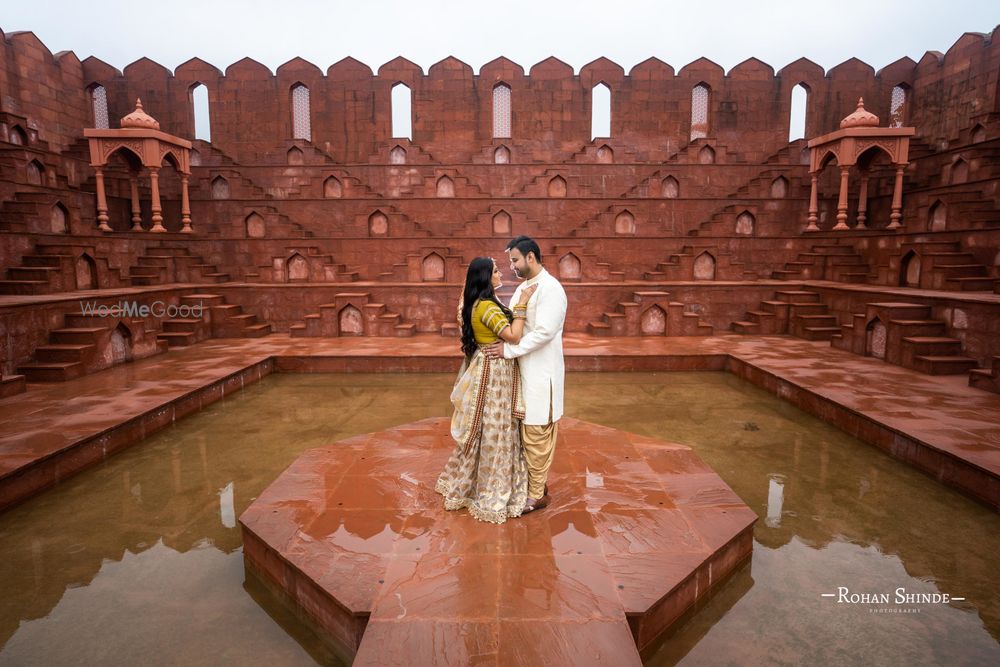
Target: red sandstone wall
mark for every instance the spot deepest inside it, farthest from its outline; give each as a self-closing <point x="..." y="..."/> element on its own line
<point x="47" y="89"/>
<point x="452" y="107"/>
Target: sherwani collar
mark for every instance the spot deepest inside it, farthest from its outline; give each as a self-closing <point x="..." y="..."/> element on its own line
<point x="532" y="281"/>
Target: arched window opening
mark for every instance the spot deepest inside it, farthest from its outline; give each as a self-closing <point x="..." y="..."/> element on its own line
<point x="799" y="108"/>
<point x="199" y="107"/>
<point x="600" y="111"/>
<point x="501" y="111"/>
<point x="897" y="105"/>
<point x="99" y="101"/>
<point x="402" y="113"/>
<point x="700" y="95"/>
<point x="301" y="119"/>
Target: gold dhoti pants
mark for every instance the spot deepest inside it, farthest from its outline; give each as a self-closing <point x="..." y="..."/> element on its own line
<point x="539" y="448"/>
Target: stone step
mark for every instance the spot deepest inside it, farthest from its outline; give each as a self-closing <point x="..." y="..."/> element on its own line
<point x="796" y="309"/>
<point x="180" y="324"/>
<point x="831" y="250"/>
<point x="798" y="296"/>
<point x="599" y="328"/>
<point x="33" y="273"/>
<point x="84" y="321"/>
<point x="931" y="246"/>
<point x="177" y="338"/>
<point x="934" y="345"/>
<point x="60" y="352"/>
<point x="76" y="335"/>
<point x="963" y="270"/>
<point x="405" y="330"/>
<point x="257" y="330"/>
<point x="944" y="365"/>
<point x="819" y="332"/>
<point x="743" y="327"/>
<point x="45" y="260"/>
<point x="905" y="311"/>
<point x="920" y="327"/>
<point x="950" y="257"/>
<point x="144" y="281"/>
<point x="980" y="284"/>
<point x="855" y="278"/>
<point x="208" y="300"/>
<point x="24" y="286"/>
<point x="175" y="251"/>
<point x="51" y="372"/>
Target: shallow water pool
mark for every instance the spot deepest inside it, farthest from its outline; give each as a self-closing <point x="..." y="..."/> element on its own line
<point x="139" y="559"/>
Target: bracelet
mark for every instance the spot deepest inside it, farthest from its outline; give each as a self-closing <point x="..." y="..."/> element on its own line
<point x="520" y="317"/>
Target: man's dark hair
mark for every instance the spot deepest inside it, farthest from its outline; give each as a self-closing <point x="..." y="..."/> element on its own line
<point x="524" y="245"/>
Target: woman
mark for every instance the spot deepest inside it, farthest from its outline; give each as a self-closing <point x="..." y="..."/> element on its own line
<point x="487" y="472"/>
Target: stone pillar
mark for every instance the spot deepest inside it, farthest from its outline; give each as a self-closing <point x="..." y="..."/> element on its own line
<point x="185" y="206"/>
<point x="102" y="202"/>
<point x="154" y="185"/>
<point x="897" y="199"/>
<point x="842" y="201"/>
<point x="813" y="205"/>
<point x="133" y="181"/>
<point x="863" y="201"/>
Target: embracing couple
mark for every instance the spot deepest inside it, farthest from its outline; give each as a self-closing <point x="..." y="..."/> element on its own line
<point x="509" y="394"/>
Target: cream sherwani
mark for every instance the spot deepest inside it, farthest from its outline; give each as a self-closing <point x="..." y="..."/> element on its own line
<point x="540" y="352"/>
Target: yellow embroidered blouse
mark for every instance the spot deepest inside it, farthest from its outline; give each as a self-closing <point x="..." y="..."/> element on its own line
<point x="487" y="322"/>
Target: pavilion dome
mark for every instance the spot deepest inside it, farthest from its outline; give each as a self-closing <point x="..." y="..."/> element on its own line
<point x="860" y="117"/>
<point x="140" y="119"/>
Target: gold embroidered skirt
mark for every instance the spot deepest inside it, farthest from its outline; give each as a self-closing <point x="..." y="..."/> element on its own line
<point x="487" y="472"/>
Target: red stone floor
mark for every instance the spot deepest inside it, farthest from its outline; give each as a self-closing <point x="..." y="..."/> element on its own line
<point x="936" y="423"/>
<point x="638" y="531"/>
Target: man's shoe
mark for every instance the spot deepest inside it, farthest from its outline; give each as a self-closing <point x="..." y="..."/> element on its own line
<point x="533" y="504"/>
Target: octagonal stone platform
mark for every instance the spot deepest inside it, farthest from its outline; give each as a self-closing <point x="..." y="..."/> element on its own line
<point x="355" y="537"/>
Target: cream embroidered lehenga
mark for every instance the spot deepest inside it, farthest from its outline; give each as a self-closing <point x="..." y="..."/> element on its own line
<point x="487" y="471"/>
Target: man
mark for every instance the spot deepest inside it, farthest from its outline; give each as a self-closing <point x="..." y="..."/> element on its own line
<point x="541" y="360"/>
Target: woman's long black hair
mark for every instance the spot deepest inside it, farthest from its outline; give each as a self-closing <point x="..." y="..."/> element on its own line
<point x="478" y="286"/>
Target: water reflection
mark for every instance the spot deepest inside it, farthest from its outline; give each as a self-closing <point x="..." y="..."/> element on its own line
<point x="140" y="559"/>
<point x="775" y="500"/>
<point x="227" y="511"/>
<point x="835" y="512"/>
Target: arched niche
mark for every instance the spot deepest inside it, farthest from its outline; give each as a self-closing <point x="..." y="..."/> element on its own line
<point x="350" y="321"/>
<point x="875" y="339"/>
<point x="557" y="187"/>
<point x="378" y="224"/>
<point x="254" y="224"/>
<point x="332" y="188"/>
<point x="569" y="267"/>
<point x="909" y="270"/>
<point x="297" y="268"/>
<point x="653" y="322"/>
<point x="432" y="268"/>
<point x="704" y="266"/>
<point x="86" y="272"/>
<point x="670" y="188"/>
<point x="625" y="223"/>
<point x="502" y="223"/>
